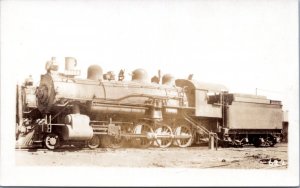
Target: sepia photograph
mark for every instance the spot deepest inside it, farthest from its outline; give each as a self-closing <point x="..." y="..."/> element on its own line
<point x="149" y="93"/>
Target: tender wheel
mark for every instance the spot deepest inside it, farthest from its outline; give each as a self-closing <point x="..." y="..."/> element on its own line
<point x="142" y="129"/>
<point x="52" y="141"/>
<point x="184" y="136"/>
<point x="94" y="142"/>
<point x="257" y="142"/>
<point x="164" y="136"/>
<point x="271" y="141"/>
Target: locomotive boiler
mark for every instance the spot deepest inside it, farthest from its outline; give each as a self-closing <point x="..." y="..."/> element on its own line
<point x="82" y="109"/>
<point x="112" y="112"/>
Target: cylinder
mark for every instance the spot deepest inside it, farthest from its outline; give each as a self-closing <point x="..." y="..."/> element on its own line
<point x="77" y="127"/>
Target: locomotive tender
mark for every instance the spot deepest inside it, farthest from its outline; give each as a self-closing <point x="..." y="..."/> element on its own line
<point x="100" y="110"/>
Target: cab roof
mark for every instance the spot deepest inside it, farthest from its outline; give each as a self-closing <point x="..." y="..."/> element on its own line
<point x="200" y="85"/>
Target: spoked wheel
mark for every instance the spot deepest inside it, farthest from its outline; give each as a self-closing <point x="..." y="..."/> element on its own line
<point x="111" y="141"/>
<point x="142" y="129"/>
<point x="52" y="141"/>
<point x="94" y="142"/>
<point x="257" y="142"/>
<point x="271" y="141"/>
<point x="183" y="136"/>
<point x="164" y="136"/>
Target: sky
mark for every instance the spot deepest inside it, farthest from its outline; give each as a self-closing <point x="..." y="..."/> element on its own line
<point x="242" y="44"/>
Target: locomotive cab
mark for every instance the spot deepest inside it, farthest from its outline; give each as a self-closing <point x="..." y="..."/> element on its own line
<point x="204" y="114"/>
<point x="198" y="96"/>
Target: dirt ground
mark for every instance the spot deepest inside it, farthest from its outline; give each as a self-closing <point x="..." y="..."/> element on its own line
<point x="192" y="157"/>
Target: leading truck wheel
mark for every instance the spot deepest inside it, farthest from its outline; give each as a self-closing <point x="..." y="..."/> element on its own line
<point x="94" y="142"/>
<point x="52" y="141"/>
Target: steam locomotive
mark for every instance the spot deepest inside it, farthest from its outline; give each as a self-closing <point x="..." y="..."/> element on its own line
<point x="102" y="111"/>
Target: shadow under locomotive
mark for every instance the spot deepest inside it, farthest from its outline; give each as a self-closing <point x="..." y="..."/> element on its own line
<point x="101" y="111"/>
